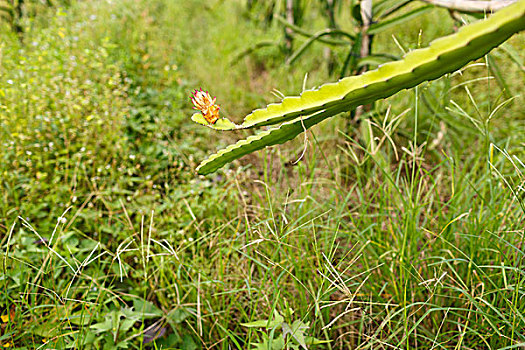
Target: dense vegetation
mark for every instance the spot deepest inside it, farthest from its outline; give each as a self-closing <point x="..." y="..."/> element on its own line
<point x="403" y="232"/>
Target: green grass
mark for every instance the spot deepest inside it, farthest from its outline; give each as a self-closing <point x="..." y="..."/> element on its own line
<point x="107" y="235"/>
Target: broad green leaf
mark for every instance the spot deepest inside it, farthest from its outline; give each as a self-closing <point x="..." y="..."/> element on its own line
<point x="146" y="309"/>
<point x="296" y="331"/>
<point x="178" y="315"/>
<point x="105" y="326"/>
<point x="80" y="318"/>
<point x="267" y="343"/>
<point x="277" y="321"/>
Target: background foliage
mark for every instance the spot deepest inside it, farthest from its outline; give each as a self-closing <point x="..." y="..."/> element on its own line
<point x="400" y="233"/>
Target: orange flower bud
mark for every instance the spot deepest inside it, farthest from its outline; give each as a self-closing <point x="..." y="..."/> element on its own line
<point x="206" y="104"/>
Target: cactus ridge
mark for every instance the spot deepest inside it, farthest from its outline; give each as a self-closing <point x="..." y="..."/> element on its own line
<point x="442" y="56"/>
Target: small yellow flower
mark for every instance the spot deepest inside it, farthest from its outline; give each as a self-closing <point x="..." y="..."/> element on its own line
<point x="206" y="104"/>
